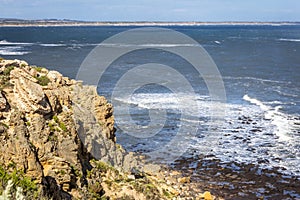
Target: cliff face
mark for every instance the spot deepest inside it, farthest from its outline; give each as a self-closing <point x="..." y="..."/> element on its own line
<point x="61" y="135"/>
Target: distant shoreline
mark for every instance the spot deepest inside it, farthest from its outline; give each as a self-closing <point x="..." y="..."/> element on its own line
<point x="54" y="23"/>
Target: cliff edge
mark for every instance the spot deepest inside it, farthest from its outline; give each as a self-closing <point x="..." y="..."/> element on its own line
<point x="57" y="141"/>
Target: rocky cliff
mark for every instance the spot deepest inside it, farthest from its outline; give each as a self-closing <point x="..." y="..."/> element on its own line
<point x="57" y="140"/>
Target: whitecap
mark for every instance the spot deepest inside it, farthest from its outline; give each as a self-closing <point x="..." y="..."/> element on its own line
<point x="52" y="45"/>
<point x="254" y="79"/>
<point x="289" y="40"/>
<point x="13" y="53"/>
<point x="285" y="94"/>
<point x="149" y="45"/>
<point x="4" y="42"/>
<point x="171" y="101"/>
<point x="283" y="123"/>
<point x="256" y="102"/>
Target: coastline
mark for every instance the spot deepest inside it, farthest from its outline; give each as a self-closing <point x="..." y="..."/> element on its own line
<point x="46" y="23"/>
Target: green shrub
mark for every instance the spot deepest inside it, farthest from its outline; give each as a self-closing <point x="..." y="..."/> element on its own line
<point x="7" y="70"/>
<point x="55" y="118"/>
<point x="63" y="126"/>
<point x="19" y="179"/>
<point x="38" y="69"/>
<point x="51" y="126"/>
<point x="43" y="80"/>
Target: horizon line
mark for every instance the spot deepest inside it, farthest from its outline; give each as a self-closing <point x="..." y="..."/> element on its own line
<point x="147" y="21"/>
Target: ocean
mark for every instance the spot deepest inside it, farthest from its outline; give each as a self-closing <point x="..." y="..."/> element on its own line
<point x="259" y="65"/>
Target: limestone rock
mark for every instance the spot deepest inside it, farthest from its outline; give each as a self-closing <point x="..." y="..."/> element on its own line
<point x="19" y="150"/>
<point x="55" y="77"/>
<point x="17" y="73"/>
<point x="104" y="114"/>
<point x="60" y="169"/>
<point x="3" y="102"/>
<point x="30" y="97"/>
<point x="53" y="133"/>
<point x="16" y="63"/>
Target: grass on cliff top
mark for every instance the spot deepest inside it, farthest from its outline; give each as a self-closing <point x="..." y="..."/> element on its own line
<point x="7" y="70"/>
<point x="43" y="80"/>
<point x="38" y="69"/>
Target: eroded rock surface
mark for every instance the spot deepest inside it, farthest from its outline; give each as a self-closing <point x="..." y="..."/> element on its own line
<point x="61" y="135"/>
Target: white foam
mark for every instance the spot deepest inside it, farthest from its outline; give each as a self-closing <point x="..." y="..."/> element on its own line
<point x="217" y="42"/>
<point x="270" y="135"/>
<point x="254" y="79"/>
<point x="12" y="51"/>
<point x="257" y="102"/>
<point x="285" y="94"/>
<point x="289" y="40"/>
<point x="149" y="45"/>
<point x="280" y="120"/>
<point x="162" y="101"/>
<point x="4" y="42"/>
<point x="52" y="45"/>
<point x="275" y="140"/>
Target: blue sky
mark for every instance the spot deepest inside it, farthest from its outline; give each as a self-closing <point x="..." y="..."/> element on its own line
<point x="153" y="10"/>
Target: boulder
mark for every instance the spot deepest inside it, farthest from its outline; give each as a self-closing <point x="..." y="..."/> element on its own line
<point x="30" y="97"/>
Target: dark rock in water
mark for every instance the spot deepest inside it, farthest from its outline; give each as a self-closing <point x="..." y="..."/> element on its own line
<point x="240" y="181"/>
<point x="256" y="130"/>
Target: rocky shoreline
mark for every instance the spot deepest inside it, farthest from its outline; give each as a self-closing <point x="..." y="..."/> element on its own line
<point x="233" y="180"/>
<point x="57" y="142"/>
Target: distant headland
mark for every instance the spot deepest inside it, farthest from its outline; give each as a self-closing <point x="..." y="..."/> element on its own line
<point x="66" y="22"/>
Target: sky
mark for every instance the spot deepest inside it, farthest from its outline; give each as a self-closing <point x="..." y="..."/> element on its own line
<point x="153" y="10"/>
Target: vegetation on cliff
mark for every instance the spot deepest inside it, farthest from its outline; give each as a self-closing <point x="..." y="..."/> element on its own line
<point x="57" y="141"/>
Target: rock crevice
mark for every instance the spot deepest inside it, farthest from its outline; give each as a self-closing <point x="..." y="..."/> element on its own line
<point x="61" y="134"/>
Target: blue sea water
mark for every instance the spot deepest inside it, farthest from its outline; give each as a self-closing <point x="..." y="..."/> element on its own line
<point x="260" y="67"/>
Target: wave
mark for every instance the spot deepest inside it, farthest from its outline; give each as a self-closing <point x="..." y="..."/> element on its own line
<point x="289" y="40"/>
<point x="4" y="42"/>
<point x="148" y="45"/>
<point x="13" y="51"/>
<point x="285" y="93"/>
<point x="71" y="45"/>
<point x="52" y="45"/>
<point x="251" y="133"/>
<point x="276" y="102"/>
<point x="283" y="123"/>
<point x="171" y="101"/>
<point x="8" y="43"/>
<point x="254" y="79"/>
<point x="257" y="132"/>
